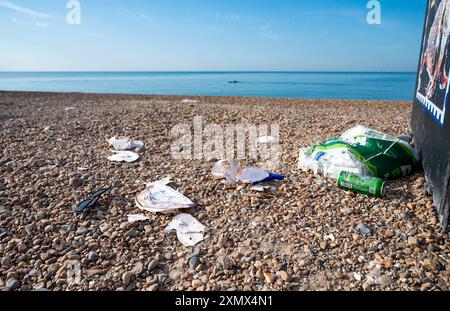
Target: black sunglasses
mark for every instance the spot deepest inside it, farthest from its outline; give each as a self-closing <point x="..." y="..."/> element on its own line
<point x="91" y="200"/>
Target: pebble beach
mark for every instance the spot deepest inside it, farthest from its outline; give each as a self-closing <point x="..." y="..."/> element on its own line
<point x="301" y="234"/>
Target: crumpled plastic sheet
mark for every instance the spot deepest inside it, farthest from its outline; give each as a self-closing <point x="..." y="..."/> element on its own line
<point x="123" y="156"/>
<point x="232" y="172"/>
<point x="189" y="230"/>
<point x="125" y="143"/>
<point x="158" y="197"/>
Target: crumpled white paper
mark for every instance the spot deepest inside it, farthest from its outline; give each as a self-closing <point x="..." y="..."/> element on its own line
<point x="125" y="143"/>
<point x="267" y="140"/>
<point x="137" y="217"/>
<point x="123" y="156"/>
<point x="189" y="230"/>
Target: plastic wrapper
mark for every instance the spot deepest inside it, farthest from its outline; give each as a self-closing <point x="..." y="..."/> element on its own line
<point x="158" y="197"/>
<point x="125" y="143"/>
<point x="360" y="150"/>
<point x="189" y="230"/>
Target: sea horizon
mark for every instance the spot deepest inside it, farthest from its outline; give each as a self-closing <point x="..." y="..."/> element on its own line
<point x="363" y="85"/>
<point x="201" y="71"/>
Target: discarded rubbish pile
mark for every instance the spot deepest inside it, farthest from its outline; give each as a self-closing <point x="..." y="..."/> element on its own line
<point x="363" y="151"/>
<point x="232" y="173"/>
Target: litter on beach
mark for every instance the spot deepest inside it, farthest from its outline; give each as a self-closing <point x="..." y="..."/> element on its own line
<point x="158" y="197"/>
<point x="123" y="156"/>
<point x="259" y="188"/>
<point x="226" y="169"/>
<point x="267" y="140"/>
<point x="363" y="151"/>
<point x="125" y="143"/>
<point x="189" y="230"/>
<point x="253" y="175"/>
<point x="189" y="101"/>
<point x="90" y="201"/>
<point x="137" y="217"/>
<point x="367" y="185"/>
<point x="70" y="108"/>
<point x="329" y="237"/>
<point x="164" y="181"/>
<point x="49" y="167"/>
<point x="232" y="172"/>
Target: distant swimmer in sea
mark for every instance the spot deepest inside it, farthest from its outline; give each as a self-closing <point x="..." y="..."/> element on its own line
<point x="234" y="81"/>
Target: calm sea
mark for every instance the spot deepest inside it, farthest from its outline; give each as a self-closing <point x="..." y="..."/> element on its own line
<point x="342" y="85"/>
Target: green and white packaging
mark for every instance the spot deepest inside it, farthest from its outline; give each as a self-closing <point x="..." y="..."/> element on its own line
<point x="360" y="150"/>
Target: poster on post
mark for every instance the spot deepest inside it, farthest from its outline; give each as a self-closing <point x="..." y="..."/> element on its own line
<point x="430" y="118"/>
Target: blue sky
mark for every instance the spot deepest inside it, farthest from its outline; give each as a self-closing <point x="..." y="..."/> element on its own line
<point x="212" y="35"/>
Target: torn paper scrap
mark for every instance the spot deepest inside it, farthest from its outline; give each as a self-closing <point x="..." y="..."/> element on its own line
<point x="189" y="230"/>
<point x="137" y="217"/>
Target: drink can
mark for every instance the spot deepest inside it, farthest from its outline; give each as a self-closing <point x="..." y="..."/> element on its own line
<point x="368" y="185"/>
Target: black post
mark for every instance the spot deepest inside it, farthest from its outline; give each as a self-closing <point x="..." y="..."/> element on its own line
<point x="430" y="122"/>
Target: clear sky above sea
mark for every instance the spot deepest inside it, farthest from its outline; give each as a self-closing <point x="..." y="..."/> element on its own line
<point x="210" y="35"/>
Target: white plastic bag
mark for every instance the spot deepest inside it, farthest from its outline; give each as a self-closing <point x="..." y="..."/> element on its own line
<point x="331" y="163"/>
<point x="125" y="143"/>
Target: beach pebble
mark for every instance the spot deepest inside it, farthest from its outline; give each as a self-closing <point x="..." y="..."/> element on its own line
<point x="138" y="268"/>
<point x="153" y="288"/>
<point x="284" y="276"/>
<point x="75" y="182"/>
<point x="66" y="228"/>
<point x="33" y="273"/>
<point x="152" y="265"/>
<point x="92" y="256"/>
<point x="412" y="241"/>
<point x="13" y="283"/>
<point x="385" y="280"/>
<point x="126" y="278"/>
<point x="363" y="229"/>
<point x="194" y="262"/>
<point x="269" y="277"/>
<point x="197" y="283"/>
